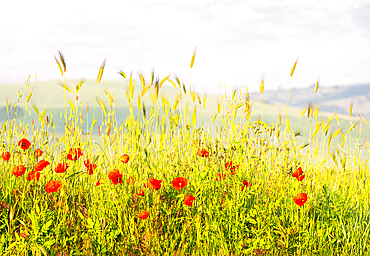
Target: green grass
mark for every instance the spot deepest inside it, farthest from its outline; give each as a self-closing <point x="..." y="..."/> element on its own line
<point x="162" y="142"/>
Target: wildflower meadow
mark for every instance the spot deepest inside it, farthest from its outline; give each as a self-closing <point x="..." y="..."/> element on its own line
<point x="166" y="182"/>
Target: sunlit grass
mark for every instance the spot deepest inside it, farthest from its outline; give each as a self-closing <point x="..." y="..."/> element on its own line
<point x="165" y="182"/>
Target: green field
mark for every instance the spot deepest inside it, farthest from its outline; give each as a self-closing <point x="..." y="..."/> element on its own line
<point x="153" y="168"/>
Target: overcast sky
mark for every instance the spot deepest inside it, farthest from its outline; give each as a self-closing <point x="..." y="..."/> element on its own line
<point x="237" y="41"/>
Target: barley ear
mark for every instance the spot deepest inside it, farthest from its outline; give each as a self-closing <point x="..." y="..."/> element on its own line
<point x="293" y="68"/>
<point x="78" y="87"/>
<point x="61" y="56"/>
<point x="101" y="71"/>
<point x="193" y="58"/>
<point x="60" y="68"/>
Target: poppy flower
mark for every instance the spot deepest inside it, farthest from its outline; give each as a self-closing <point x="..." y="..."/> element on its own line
<point x="130" y="180"/>
<point x="298" y="174"/>
<point x="33" y="175"/>
<point x="74" y="154"/>
<point x="124" y="158"/>
<point x="179" y="182"/>
<point x="5" y="156"/>
<point x="61" y="167"/>
<point x="41" y="165"/>
<point x="188" y="200"/>
<point x="300" y="199"/>
<point x="202" y="152"/>
<point x="154" y="184"/>
<point x="24" y="144"/>
<point x="90" y="167"/>
<point x="53" y="186"/>
<point x="98" y="183"/>
<point x="143" y="215"/>
<point x="300" y="178"/>
<point x="229" y="164"/>
<point x="220" y="176"/>
<point x="115" y="176"/>
<point x="38" y="152"/>
<point x="141" y="193"/>
<point x="246" y="184"/>
<point x="19" y="170"/>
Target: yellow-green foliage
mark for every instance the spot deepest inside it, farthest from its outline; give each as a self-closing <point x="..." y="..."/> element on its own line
<point x="239" y="170"/>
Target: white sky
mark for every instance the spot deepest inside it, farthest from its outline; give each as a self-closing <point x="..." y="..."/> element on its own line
<point x="237" y="41"/>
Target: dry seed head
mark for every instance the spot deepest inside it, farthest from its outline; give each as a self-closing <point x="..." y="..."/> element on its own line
<point x="61" y="56"/>
<point x="233" y="95"/>
<point x="293" y="68"/>
<point x="172" y="82"/>
<point x="156" y="88"/>
<point x="193" y="58"/>
<point x="192" y="96"/>
<point x="316" y="112"/>
<point x="87" y="107"/>
<point x="79" y="85"/>
<point x="142" y="81"/>
<point x="317" y="86"/>
<point x="199" y="99"/>
<point x="60" y="68"/>
<point x="303" y="111"/>
<point x="163" y="80"/>
<point x="122" y="74"/>
<point x="144" y="109"/>
<point x="350" y="109"/>
<point x="101" y="71"/>
<point x="152" y="78"/>
<point x="262" y="86"/>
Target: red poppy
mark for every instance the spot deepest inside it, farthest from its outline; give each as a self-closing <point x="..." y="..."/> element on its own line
<point x="202" y="152"/>
<point x="98" y="183"/>
<point x="41" y="165"/>
<point x="154" y="184"/>
<point x="90" y="167"/>
<point x="115" y="176"/>
<point x="130" y="180"/>
<point x="61" y="167"/>
<point x="19" y="170"/>
<point x="229" y="164"/>
<point x="300" y="199"/>
<point x="246" y="184"/>
<point x="189" y="200"/>
<point x="143" y="215"/>
<point x="33" y="175"/>
<point x="141" y="193"/>
<point x="124" y="158"/>
<point x="5" y="156"/>
<point x="53" y="186"/>
<point x="38" y="152"/>
<point x="300" y="178"/>
<point x="220" y="176"/>
<point x="24" y="144"/>
<point x="298" y="174"/>
<point x="179" y="182"/>
<point x="74" y="154"/>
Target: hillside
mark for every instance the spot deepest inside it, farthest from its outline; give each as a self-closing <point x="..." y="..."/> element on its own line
<point x="330" y="99"/>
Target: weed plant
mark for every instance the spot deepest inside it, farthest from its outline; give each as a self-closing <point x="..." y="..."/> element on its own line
<point x="161" y="184"/>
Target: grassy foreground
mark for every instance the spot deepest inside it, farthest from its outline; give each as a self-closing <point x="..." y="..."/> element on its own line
<point x="161" y="184"/>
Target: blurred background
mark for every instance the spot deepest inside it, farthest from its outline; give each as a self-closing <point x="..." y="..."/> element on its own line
<point x="237" y="41"/>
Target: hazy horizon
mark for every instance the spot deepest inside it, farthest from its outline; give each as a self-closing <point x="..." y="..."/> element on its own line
<point x="237" y="42"/>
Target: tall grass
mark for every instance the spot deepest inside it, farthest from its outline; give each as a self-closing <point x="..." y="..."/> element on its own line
<point x="241" y="180"/>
